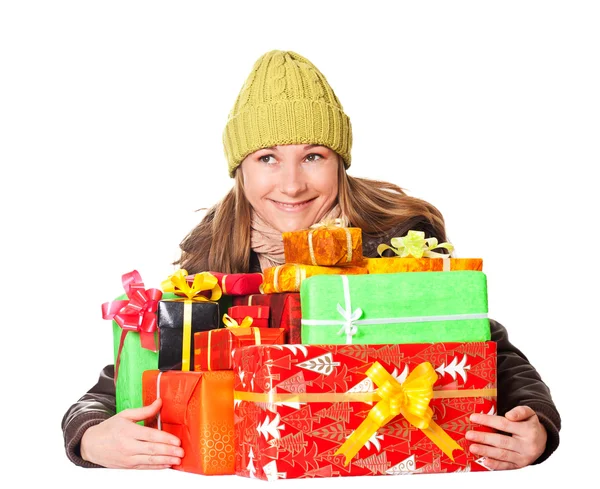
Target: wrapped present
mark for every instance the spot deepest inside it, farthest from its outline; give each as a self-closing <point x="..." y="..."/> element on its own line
<point x="259" y="314"/>
<point x="289" y="276"/>
<point x="236" y="283"/>
<point x="180" y="318"/>
<point x="197" y="407"/>
<point x="418" y="307"/>
<point x="213" y="349"/>
<point x="305" y="411"/>
<point x="327" y="243"/>
<point x="284" y="311"/>
<point x="134" y="322"/>
<point x="411" y="264"/>
<point x="416" y="245"/>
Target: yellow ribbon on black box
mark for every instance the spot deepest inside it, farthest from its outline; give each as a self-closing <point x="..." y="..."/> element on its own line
<point x="177" y="283"/>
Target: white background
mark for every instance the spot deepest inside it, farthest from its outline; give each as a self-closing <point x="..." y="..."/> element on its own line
<point x="111" y="116"/>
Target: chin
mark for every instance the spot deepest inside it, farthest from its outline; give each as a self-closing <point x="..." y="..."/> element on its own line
<point x="292" y="226"/>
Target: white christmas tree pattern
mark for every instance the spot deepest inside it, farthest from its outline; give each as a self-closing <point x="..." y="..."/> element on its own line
<point x="295" y="348"/>
<point x="481" y="461"/>
<point x="376" y="463"/>
<point x="270" y="470"/>
<point x="453" y="368"/>
<point x="271" y="428"/>
<point x="400" y="377"/>
<point x="375" y="441"/>
<point x="406" y="467"/>
<point x="250" y="467"/>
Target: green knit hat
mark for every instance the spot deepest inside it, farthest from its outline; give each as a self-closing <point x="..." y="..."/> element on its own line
<point x="285" y="100"/>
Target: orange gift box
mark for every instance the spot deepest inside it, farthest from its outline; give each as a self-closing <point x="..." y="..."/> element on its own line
<point x="213" y="349"/>
<point x="324" y="246"/>
<point x="197" y="407"/>
<point x="410" y="264"/>
<point x="289" y="276"/>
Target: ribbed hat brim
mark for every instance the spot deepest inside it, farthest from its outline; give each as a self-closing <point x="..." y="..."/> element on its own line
<point x="287" y="122"/>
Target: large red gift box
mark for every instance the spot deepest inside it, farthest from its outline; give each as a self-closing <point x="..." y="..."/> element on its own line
<point x="296" y="405"/>
<point x="284" y="311"/>
<point x="197" y="407"/>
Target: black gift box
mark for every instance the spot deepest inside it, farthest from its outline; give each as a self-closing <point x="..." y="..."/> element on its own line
<point x="205" y="316"/>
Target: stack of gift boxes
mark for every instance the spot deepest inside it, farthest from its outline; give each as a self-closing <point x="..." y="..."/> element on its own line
<point x="331" y="364"/>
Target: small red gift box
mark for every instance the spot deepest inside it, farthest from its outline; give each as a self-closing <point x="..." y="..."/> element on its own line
<point x="259" y="314"/>
<point x="212" y="349"/>
<point x="236" y="283"/>
<point x="304" y="411"/>
<point x="284" y="311"/>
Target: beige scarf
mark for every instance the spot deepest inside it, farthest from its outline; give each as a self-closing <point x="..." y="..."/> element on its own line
<point x="267" y="242"/>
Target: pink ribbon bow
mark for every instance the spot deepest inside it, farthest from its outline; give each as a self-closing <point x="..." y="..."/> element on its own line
<point x="137" y="313"/>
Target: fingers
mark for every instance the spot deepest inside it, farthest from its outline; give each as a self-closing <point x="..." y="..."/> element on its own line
<point x="153" y="461"/>
<point x="499" y="423"/>
<point x="493" y="439"/>
<point x="506" y="459"/>
<point x="152" y="435"/>
<point x="520" y="413"/>
<point x="140" y="454"/>
<point x="143" y="413"/>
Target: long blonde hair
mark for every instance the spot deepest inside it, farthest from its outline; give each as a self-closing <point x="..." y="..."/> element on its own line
<point x="221" y="242"/>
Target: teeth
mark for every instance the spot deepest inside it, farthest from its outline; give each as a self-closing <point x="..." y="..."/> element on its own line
<point x="292" y="205"/>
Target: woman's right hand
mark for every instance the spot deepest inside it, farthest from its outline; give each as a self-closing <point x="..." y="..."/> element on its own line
<point x="120" y="443"/>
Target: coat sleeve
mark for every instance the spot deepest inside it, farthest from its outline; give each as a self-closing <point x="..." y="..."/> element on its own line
<point x="519" y="384"/>
<point x="92" y="408"/>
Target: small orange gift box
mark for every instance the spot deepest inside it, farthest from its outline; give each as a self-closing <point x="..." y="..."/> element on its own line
<point x="411" y="264"/>
<point x="414" y="253"/>
<point x="197" y="407"/>
<point x="289" y="276"/>
<point x="328" y="243"/>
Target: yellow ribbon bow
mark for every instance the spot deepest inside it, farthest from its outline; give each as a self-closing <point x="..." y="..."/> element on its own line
<point x="414" y="244"/>
<point x="232" y="323"/>
<point x="330" y="222"/>
<point x="178" y="284"/>
<point x="410" y="399"/>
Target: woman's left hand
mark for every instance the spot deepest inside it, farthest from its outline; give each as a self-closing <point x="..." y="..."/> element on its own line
<point x="501" y="452"/>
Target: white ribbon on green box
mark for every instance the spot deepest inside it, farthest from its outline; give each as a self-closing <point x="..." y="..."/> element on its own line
<point x="462" y="316"/>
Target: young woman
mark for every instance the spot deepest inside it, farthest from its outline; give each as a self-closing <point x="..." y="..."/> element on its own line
<point x="287" y="143"/>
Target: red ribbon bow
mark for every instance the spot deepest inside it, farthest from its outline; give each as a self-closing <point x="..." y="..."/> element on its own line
<point x="137" y="314"/>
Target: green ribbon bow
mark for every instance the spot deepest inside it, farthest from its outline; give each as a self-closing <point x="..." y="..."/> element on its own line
<point x="415" y="244"/>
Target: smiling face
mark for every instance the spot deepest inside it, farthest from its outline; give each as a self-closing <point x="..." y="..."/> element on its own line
<point x="291" y="186"/>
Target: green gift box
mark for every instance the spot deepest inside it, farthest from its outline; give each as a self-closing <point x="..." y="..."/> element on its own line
<point x="132" y="362"/>
<point x="415" y="307"/>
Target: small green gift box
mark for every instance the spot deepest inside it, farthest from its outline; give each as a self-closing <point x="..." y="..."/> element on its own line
<point x="416" y="307"/>
<point x="131" y="359"/>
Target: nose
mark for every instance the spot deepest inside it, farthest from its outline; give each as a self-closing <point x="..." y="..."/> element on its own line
<point x="292" y="179"/>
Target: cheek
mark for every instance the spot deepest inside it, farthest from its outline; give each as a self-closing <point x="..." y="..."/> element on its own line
<point x="254" y="187"/>
<point x="327" y="183"/>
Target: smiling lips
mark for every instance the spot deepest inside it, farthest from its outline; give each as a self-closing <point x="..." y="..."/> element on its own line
<point x="292" y="206"/>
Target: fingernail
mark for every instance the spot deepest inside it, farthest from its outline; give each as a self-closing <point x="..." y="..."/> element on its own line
<point x="474" y="418"/>
<point x="474" y="448"/>
<point x="470" y="435"/>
